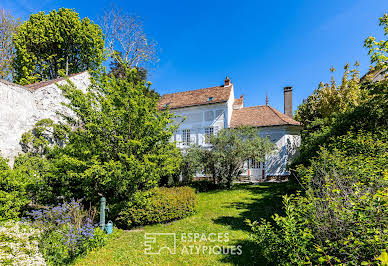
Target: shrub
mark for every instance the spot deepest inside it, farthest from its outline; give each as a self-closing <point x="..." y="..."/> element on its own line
<point x="21" y="185"/>
<point x="203" y="185"/>
<point x="13" y="196"/>
<point x="158" y="205"/>
<point x="343" y="217"/>
<point x="67" y="232"/>
<point x="19" y="244"/>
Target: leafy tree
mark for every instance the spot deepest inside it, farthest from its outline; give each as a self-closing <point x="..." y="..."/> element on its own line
<point x="341" y="216"/>
<point x="8" y="28"/>
<point x="320" y="110"/>
<point x="118" y="67"/>
<point x="231" y="148"/>
<point x="117" y="141"/>
<point x="49" y="45"/>
<point x="378" y="50"/>
<point x="331" y="98"/>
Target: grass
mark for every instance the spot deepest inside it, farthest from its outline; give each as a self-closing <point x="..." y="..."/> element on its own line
<point x="220" y="212"/>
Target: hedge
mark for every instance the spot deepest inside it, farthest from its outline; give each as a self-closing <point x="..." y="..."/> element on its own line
<point x="158" y="205"/>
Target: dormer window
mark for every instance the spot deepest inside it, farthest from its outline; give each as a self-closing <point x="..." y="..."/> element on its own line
<point x="166" y="105"/>
<point x="209" y="99"/>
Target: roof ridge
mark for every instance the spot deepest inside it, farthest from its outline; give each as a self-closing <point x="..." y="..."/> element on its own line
<point x="220" y="86"/>
<point x="253" y="106"/>
<point x="273" y="110"/>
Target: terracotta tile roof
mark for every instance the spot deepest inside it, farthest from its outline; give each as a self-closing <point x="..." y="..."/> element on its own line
<point x="41" y="84"/>
<point x="260" y="116"/>
<point x="211" y="95"/>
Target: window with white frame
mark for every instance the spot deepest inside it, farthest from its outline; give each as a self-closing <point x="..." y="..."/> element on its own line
<point x="186" y="137"/>
<point x="209" y="131"/>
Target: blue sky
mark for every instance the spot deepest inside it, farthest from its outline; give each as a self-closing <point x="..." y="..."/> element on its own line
<point x="261" y="45"/>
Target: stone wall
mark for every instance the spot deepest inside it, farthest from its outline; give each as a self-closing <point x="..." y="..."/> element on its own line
<point x="21" y="108"/>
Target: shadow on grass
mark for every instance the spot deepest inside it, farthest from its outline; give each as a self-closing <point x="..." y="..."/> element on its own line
<point x="265" y="201"/>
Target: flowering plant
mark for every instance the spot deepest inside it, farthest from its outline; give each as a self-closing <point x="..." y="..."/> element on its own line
<point x="68" y="231"/>
<point x="19" y="244"/>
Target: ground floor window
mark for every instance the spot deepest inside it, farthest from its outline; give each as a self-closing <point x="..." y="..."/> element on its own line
<point x="186" y="137"/>
<point x="253" y="164"/>
<point x="208" y="132"/>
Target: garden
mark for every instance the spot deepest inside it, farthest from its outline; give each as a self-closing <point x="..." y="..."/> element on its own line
<point x="115" y="143"/>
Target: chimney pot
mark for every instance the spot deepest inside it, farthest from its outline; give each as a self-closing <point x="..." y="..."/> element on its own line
<point x="288" y="101"/>
<point x="227" y="81"/>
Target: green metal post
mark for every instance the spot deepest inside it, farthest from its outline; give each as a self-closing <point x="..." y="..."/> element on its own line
<point x="102" y="213"/>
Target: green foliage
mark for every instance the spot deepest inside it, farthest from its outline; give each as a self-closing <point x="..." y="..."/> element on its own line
<point x="158" y="205"/>
<point x="230" y="150"/>
<point x="378" y="50"/>
<point x="116" y="143"/>
<point x="67" y="232"/>
<point x="368" y="113"/>
<point x="48" y="44"/>
<point x="25" y="184"/>
<point x="343" y="217"/>
<point x="203" y="185"/>
<point x="56" y="251"/>
<point x="18" y="187"/>
<point x="329" y="99"/>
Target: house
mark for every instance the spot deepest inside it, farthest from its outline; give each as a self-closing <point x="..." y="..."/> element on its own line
<point x="208" y="110"/>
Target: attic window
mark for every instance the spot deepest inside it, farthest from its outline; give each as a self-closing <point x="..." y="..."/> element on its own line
<point x="166" y="105"/>
<point x="209" y="99"/>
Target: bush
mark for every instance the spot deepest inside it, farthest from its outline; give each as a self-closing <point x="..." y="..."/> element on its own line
<point x="343" y="216"/>
<point x="19" y="244"/>
<point x="158" y="205"/>
<point x="13" y="197"/>
<point x="67" y="232"/>
<point x="203" y="185"/>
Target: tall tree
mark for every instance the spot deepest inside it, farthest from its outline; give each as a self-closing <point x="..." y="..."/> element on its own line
<point x="124" y="33"/>
<point x="8" y="28"/>
<point x="378" y="50"/>
<point x="49" y="45"/>
<point x="116" y="142"/>
<point x="118" y="68"/>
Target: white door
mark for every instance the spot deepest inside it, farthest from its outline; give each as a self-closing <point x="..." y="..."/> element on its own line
<point x="256" y="170"/>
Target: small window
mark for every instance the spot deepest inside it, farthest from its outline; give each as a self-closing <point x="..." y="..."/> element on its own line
<point x="186" y="137"/>
<point x="210" y="99"/>
<point x="209" y="131"/>
<point x="166" y="105"/>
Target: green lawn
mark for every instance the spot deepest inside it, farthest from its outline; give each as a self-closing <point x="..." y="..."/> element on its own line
<point x="219" y="212"/>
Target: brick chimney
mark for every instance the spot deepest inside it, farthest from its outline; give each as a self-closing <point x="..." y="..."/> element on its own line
<point x="227" y="81"/>
<point x="288" y="101"/>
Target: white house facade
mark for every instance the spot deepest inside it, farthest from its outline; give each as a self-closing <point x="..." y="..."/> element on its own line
<point x="206" y="111"/>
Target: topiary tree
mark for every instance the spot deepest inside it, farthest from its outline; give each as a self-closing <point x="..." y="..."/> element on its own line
<point x="59" y="42"/>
